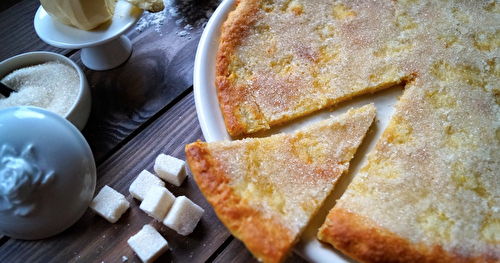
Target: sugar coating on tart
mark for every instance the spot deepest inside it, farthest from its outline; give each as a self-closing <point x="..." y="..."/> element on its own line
<point x="278" y="60"/>
<point x="429" y="190"/>
<point x="266" y="190"/>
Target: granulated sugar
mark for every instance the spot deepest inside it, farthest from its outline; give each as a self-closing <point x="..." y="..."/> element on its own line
<point x="188" y="14"/>
<point x="52" y="85"/>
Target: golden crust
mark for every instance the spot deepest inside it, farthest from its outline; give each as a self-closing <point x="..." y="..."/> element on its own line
<point x="234" y="29"/>
<point x="273" y="65"/>
<point x="268" y="239"/>
<point x="362" y="239"/>
<point x="266" y="190"/>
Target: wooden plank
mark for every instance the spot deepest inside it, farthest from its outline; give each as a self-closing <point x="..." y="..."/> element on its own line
<point x="17" y="31"/>
<point x="237" y="252"/>
<point x="93" y="239"/>
<point x="158" y="71"/>
<point x="6" y="4"/>
<point x="124" y="98"/>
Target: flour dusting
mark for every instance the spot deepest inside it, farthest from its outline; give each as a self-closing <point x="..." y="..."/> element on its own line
<point x="189" y="15"/>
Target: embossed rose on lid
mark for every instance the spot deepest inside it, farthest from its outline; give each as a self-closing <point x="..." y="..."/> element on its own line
<point x="47" y="173"/>
<point x="20" y="179"/>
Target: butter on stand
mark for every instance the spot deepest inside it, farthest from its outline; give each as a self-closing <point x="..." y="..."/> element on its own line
<point x="89" y="14"/>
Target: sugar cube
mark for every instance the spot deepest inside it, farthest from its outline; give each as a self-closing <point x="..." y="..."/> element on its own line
<point x="109" y="204"/>
<point x="148" y="244"/>
<point x="157" y="202"/>
<point x="183" y="216"/>
<point x="170" y="169"/>
<point x="141" y="185"/>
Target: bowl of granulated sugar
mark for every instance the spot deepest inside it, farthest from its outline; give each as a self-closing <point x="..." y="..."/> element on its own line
<point x="50" y="81"/>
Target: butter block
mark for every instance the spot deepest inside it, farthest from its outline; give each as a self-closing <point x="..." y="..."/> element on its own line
<point x="157" y="202"/>
<point x="109" y="204"/>
<point x="83" y="14"/>
<point x="183" y="216"/>
<point x="170" y="169"/>
<point x="148" y="244"/>
<point x="141" y="185"/>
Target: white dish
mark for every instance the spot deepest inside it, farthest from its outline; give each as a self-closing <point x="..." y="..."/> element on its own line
<point x="213" y="128"/>
<point x="79" y="112"/>
<point x="104" y="47"/>
<point x="64" y="36"/>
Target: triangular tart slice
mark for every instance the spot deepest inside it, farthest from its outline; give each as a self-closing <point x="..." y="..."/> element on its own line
<point x="266" y="190"/>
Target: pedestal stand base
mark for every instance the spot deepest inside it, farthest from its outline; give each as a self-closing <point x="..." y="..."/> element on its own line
<point x="108" y="55"/>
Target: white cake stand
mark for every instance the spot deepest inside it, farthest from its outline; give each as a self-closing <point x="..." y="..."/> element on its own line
<point x="104" y="47"/>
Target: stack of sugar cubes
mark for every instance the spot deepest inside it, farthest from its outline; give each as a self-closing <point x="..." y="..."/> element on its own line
<point x="180" y="214"/>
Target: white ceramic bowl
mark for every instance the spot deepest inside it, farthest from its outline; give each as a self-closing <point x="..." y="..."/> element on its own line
<point x="80" y="111"/>
<point x="47" y="173"/>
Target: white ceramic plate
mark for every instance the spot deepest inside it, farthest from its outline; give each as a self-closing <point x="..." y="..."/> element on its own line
<point x="64" y="36"/>
<point x="213" y="128"/>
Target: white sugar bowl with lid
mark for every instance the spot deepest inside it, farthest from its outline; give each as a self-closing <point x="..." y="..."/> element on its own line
<point x="47" y="80"/>
<point x="47" y="173"/>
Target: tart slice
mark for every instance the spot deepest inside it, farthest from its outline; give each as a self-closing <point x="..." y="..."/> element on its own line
<point x="279" y="60"/>
<point x="266" y="190"/>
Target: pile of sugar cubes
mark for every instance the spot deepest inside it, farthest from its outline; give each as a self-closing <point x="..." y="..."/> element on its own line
<point x="178" y="213"/>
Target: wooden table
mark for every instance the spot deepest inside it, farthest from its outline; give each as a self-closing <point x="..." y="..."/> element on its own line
<point x="140" y="109"/>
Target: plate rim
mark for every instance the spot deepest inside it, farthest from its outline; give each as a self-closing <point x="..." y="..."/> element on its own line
<point x="210" y="33"/>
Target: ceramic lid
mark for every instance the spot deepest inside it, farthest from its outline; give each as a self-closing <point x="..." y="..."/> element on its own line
<point x="47" y="173"/>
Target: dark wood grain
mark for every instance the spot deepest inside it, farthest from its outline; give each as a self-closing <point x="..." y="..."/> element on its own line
<point x="237" y="252"/>
<point x="126" y="97"/>
<point x="17" y="31"/>
<point x="6" y="4"/>
<point x="158" y="71"/>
